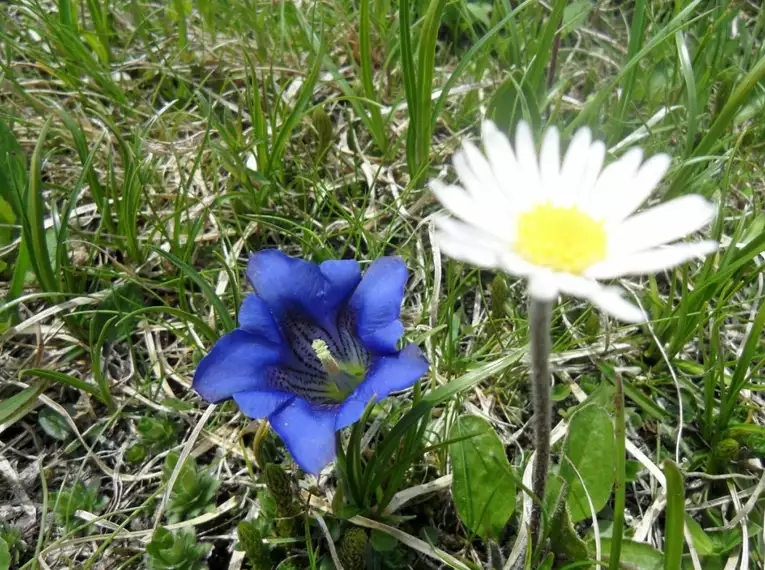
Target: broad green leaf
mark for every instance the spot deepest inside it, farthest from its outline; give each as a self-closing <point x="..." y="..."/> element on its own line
<point x="5" y="555"/>
<point x="121" y="301"/>
<point x="13" y="169"/>
<point x="701" y="541"/>
<point x="554" y="495"/>
<point x="382" y="541"/>
<point x="726" y="540"/>
<point x="483" y="484"/>
<point x="589" y="447"/>
<point x="635" y="555"/>
<point x="7" y="219"/>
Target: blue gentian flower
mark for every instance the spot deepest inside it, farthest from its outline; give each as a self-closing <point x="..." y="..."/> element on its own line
<point x="315" y="344"/>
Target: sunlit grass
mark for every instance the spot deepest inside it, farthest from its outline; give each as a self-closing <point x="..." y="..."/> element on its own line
<point x="145" y="149"/>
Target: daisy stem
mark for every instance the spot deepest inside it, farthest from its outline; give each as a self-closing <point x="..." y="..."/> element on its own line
<point x="540" y="317"/>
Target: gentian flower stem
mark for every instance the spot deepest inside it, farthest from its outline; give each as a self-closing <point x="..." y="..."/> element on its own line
<point x="540" y="317"/>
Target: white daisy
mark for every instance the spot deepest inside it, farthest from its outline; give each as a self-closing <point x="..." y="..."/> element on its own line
<point x="564" y="225"/>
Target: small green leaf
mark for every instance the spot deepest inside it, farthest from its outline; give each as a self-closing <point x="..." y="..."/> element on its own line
<point x="575" y="14"/>
<point x="178" y="405"/>
<point x="54" y="424"/>
<point x="589" y="447"/>
<point x="560" y="392"/>
<point x="566" y="543"/>
<point x="548" y="562"/>
<point x="382" y="541"/>
<point x="135" y="454"/>
<point x="483" y="484"/>
<point x="324" y="129"/>
<point x="632" y="468"/>
<point x="162" y="538"/>
<point x="251" y="541"/>
<point x="341" y="508"/>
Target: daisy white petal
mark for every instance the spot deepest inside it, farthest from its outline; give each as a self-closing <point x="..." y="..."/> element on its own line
<point x="609" y="299"/>
<point x="465" y="251"/>
<point x="627" y="197"/>
<point x="610" y="180"/>
<point x="574" y="164"/>
<point x="515" y="264"/>
<point x="526" y="153"/>
<point x="471" y="164"/>
<point x="651" y="261"/>
<point x="502" y="160"/>
<point x="469" y="233"/>
<point x="465" y="207"/>
<point x="661" y="224"/>
<point x="595" y="158"/>
<point x="549" y="162"/>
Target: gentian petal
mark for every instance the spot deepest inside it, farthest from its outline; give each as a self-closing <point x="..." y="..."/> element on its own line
<point x="255" y="318"/>
<point x="343" y="276"/>
<point x="383" y="340"/>
<point x="376" y="303"/>
<point x="308" y="432"/>
<point x="238" y="362"/>
<point x="388" y="374"/>
<point x="287" y="284"/>
<point x="258" y="404"/>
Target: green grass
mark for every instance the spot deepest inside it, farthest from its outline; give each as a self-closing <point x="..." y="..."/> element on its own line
<point x="127" y="132"/>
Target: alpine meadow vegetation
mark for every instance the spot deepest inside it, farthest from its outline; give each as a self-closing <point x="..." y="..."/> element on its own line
<point x="375" y="285"/>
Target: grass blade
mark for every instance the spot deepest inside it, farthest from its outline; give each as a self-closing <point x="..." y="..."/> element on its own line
<point x="468" y="57"/>
<point x="365" y="50"/>
<point x="636" y="42"/>
<point x="66" y="380"/>
<point x="686" y="68"/>
<point x="743" y="362"/>
<point x="13" y="406"/>
<point x="425" y="69"/>
<point x="675" y="519"/>
<point x="33" y="220"/>
<point x="536" y="75"/>
<point x="678" y="22"/>
<point x="410" y="81"/>
<point x="207" y="290"/>
<point x="713" y="136"/>
<point x="306" y="92"/>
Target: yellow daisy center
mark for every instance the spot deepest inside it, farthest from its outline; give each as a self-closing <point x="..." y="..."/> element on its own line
<point x="562" y="239"/>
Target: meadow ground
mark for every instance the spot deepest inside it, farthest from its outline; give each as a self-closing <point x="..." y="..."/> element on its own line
<point x="147" y="148"/>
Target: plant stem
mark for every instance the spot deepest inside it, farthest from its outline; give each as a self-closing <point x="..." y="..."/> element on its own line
<point x="540" y="317"/>
<point x="620" y="476"/>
